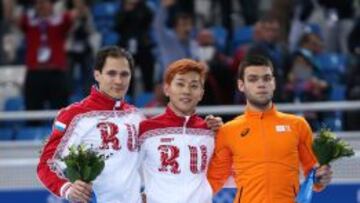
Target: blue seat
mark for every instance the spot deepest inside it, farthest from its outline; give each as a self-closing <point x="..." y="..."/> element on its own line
<point x="143" y="99"/>
<point x="337" y="92"/>
<point x="105" y="9"/>
<point x="220" y="35"/>
<point x="242" y="35"/>
<point x="14" y="104"/>
<point x="110" y="38"/>
<point x="333" y="66"/>
<point x="6" y="134"/>
<point x="334" y="122"/>
<point x="33" y="133"/>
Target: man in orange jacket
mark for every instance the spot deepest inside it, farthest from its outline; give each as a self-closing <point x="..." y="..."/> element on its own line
<point x="263" y="149"/>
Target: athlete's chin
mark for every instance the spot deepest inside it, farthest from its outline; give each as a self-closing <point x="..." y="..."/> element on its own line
<point x="118" y="95"/>
<point x="261" y="103"/>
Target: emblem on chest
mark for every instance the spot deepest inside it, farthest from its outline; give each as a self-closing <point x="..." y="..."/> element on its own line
<point x="109" y="132"/>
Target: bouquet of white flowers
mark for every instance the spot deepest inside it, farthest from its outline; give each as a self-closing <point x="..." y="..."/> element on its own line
<point x="327" y="148"/>
<point x="83" y="164"/>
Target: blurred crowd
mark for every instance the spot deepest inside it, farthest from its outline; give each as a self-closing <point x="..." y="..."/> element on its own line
<point x="313" y="44"/>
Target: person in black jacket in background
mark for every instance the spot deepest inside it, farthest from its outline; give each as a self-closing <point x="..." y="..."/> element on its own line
<point x="133" y="23"/>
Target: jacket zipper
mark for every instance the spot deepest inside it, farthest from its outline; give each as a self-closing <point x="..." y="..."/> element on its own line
<point x="117" y="105"/>
<point x="240" y="194"/>
<point x="187" y="118"/>
<point x="266" y="154"/>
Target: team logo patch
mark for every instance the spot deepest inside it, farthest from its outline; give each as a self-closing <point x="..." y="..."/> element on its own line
<point x="245" y="132"/>
<point x="282" y="128"/>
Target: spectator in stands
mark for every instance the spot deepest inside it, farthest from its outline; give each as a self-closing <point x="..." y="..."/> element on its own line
<point x="305" y="81"/>
<point x="352" y="118"/>
<point x="7" y="42"/>
<point x="340" y="19"/>
<point x="47" y="70"/>
<point x="219" y="76"/>
<point x="133" y="23"/>
<point x="268" y="45"/>
<point x="2" y="27"/>
<point x="249" y="11"/>
<point x="174" y="43"/>
<point x="80" y="51"/>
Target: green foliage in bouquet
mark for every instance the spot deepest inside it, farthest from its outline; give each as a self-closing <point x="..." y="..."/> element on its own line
<point x="327" y="147"/>
<point x="83" y="164"/>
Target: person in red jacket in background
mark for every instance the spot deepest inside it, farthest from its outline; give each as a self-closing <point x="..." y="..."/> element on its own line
<point x="45" y="34"/>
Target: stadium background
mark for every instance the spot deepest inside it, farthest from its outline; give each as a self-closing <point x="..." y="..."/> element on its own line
<point x="20" y="143"/>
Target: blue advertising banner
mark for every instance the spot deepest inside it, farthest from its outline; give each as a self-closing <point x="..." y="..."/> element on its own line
<point x="335" y="193"/>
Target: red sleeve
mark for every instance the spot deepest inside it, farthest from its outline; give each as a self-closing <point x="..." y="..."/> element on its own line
<point x="45" y="171"/>
<point x="67" y="22"/>
<point x="24" y="23"/>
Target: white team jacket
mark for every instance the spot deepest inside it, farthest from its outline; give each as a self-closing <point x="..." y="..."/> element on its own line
<point x="175" y="155"/>
<point x="95" y="122"/>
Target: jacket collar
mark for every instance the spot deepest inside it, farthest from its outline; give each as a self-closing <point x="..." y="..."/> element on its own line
<point x="171" y="114"/>
<point x="103" y="101"/>
<point x="260" y="114"/>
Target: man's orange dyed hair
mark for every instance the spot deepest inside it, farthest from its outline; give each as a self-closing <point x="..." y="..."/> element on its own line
<point x="183" y="66"/>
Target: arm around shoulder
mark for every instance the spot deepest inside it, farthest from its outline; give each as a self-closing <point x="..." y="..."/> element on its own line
<point x="220" y="164"/>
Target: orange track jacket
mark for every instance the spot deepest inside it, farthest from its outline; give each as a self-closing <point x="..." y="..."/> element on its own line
<point x="263" y="152"/>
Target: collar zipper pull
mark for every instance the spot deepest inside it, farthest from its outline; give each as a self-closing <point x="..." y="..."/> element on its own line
<point x="117" y="105"/>
<point x="187" y="118"/>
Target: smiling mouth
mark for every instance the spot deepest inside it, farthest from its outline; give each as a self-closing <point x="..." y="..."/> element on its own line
<point x="185" y="100"/>
<point x="119" y="89"/>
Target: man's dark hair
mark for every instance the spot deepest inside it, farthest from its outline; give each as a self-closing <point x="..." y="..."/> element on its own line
<point x="114" y="52"/>
<point x="306" y="38"/>
<point x="182" y="16"/>
<point x="268" y="18"/>
<point x="253" y="60"/>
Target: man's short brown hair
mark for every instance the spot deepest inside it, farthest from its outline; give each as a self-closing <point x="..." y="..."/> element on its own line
<point x="253" y="60"/>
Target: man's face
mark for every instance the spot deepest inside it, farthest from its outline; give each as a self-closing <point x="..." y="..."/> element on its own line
<point x="271" y="31"/>
<point x="183" y="28"/>
<point x="185" y="91"/>
<point x="258" y="85"/>
<point x="315" y="44"/>
<point x="114" y="79"/>
<point x="43" y="7"/>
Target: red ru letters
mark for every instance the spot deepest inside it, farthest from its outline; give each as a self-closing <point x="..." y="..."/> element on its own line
<point x="108" y="132"/>
<point x="168" y="155"/>
<point x="194" y="159"/>
<point x="132" y="142"/>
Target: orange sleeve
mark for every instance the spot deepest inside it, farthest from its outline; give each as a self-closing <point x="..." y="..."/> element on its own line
<point x="306" y="154"/>
<point x="221" y="162"/>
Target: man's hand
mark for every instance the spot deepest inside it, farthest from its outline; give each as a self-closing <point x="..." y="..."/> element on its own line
<point x="79" y="191"/>
<point x="323" y="175"/>
<point x="214" y="123"/>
